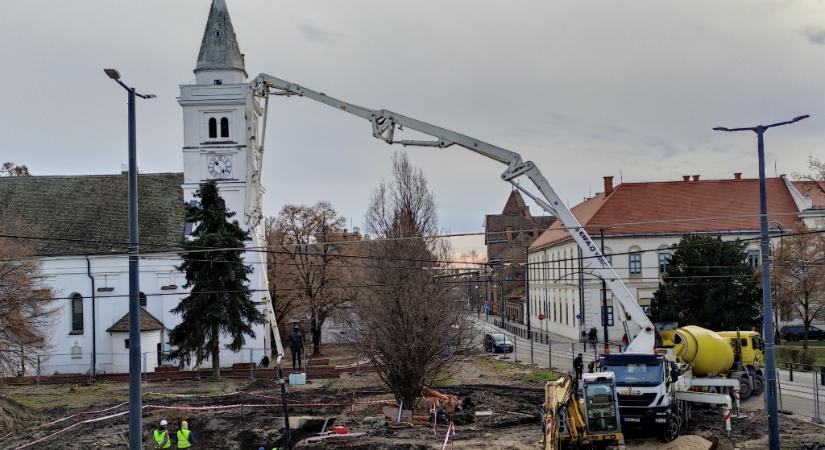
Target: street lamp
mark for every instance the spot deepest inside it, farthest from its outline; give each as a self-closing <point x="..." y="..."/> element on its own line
<point x="135" y="403"/>
<point x="767" y="304"/>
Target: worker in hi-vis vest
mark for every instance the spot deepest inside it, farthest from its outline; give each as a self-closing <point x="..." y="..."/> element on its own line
<point x="160" y="436"/>
<point x="185" y="437"/>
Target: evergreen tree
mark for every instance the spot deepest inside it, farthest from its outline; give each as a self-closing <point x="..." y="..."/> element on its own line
<point x="219" y="301"/>
<point x="708" y="283"/>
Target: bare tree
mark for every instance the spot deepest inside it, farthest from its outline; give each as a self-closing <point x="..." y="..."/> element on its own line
<point x="800" y="274"/>
<point x="10" y="169"/>
<point x="285" y="298"/>
<point x="817" y="170"/>
<point x="308" y="272"/>
<point x="411" y="324"/>
<point x="24" y="312"/>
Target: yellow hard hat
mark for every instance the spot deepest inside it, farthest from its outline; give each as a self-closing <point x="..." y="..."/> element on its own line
<point x="184" y="424"/>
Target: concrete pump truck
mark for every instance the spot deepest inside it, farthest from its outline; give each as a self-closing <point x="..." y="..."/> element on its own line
<point x="653" y="386"/>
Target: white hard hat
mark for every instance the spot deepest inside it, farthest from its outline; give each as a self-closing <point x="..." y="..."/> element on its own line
<point x="163" y="423"/>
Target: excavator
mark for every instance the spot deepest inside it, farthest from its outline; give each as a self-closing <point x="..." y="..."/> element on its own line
<point x="651" y="383"/>
<point x="589" y="420"/>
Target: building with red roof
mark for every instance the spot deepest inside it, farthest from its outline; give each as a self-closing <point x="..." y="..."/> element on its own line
<point x="637" y="223"/>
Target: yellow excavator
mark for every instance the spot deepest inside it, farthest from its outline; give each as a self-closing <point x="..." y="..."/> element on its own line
<point x="586" y="418"/>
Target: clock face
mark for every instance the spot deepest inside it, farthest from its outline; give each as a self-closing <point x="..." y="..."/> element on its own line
<point x="220" y="166"/>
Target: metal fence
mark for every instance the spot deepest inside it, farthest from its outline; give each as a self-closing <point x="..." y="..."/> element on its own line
<point x="803" y="387"/>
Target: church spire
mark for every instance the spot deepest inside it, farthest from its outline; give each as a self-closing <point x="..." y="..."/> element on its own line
<point x="219" y="48"/>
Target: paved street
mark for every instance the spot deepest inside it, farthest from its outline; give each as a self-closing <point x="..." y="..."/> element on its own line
<point x="796" y="396"/>
<point x="563" y="350"/>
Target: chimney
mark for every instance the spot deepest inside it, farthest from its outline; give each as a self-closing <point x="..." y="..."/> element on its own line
<point x="737" y="175"/>
<point x="685" y="177"/>
<point x="696" y="178"/>
<point x="608" y="185"/>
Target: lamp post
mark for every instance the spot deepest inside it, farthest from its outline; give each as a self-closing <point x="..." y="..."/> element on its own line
<point x="135" y="403"/>
<point x="767" y="305"/>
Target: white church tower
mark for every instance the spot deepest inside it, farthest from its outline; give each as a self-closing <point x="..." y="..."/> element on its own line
<point x="221" y="119"/>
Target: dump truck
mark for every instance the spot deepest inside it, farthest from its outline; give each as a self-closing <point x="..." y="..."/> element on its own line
<point x="725" y="354"/>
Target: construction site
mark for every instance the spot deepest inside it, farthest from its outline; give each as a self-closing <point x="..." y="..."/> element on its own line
<point x="106" y="339"/>
<point x="484" y="402"/>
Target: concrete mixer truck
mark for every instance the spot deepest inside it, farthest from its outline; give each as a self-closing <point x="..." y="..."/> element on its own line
<point x="726" y="354"/>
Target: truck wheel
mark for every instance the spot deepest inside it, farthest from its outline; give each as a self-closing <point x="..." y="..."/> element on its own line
<point x="758" y="385"/>
<point x="671" y="430"/>
<point x="745" y="390"/>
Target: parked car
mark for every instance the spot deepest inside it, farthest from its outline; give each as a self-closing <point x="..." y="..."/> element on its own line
<point x="497" y="342"/>
<point x="797" y="333"/>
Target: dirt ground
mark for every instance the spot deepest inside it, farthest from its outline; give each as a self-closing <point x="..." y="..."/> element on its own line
<point x="502" y="410"/>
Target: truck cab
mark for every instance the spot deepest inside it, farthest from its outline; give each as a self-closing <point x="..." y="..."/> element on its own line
<point x="751" y="354"/>
<point x="643" y="387"/>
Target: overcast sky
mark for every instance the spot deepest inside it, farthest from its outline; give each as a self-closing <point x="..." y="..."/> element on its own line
<point x="584" y="89"/>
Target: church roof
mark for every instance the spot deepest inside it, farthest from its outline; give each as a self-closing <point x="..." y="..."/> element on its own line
<point x="219" y="47"/>
<point x="88" y="214"/>
<point x="148" y="322"/>
<point x="515" y="203"/>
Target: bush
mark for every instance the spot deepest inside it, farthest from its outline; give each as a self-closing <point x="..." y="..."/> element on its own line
<point x="795" y="358"/>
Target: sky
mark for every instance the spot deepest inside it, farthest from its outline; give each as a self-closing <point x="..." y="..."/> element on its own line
<point x="584" y="89"/>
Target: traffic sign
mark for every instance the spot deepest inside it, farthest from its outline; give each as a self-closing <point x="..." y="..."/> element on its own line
<point x="541" y="316"/>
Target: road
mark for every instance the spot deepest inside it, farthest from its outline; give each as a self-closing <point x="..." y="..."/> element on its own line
<point x="796" y="396"/>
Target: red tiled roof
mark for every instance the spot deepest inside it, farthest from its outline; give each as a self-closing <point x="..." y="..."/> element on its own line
<point x="677" y="207"/>
<point x="814" y="190"/>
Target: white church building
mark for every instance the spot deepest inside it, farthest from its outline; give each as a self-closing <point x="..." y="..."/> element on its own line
<point x="85" y="261"/>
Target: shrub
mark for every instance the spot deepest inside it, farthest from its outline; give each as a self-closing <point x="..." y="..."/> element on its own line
<point x="795" y="357"/>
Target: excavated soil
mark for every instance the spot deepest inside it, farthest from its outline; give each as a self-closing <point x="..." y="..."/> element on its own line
<point x="499" y="411"/>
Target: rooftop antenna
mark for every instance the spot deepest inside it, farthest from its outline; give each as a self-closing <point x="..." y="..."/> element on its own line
<point x="621" y="178"/>
<point x="775" y="172"/>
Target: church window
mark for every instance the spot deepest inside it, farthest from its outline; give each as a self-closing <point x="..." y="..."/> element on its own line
<point x="224" y="127"/>
<point x="77" y="314"/>
<point x="213" y="128"/>
<point x="142" y="299"/>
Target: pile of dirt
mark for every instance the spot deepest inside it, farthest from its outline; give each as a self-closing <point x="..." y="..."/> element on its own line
<point x="751" y="432"/>
<point x="14" y="416"/>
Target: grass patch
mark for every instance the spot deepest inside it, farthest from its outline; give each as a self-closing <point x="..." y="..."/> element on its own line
<point x="498" y="364"/>
<point x="542" y="377"/>
<point x="817" y="350"/>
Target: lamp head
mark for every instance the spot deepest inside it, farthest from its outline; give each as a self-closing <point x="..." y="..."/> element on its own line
<point x="112" y="73"/>
<point x="721" y="129"/>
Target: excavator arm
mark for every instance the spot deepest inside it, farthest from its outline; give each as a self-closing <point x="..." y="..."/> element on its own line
<point x="384" y="125"/>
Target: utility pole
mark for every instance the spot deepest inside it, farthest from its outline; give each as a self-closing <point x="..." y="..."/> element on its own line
<point x="135" y="402"/>
<point x="527" y="296"/>
<point x="767" y="303"/>
<point x="604" y="297"/>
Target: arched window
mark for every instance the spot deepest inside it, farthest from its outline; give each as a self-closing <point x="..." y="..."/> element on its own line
<point x="634" y="260"/>
<point x="213" y="128"/>
<point x="77" y="313"/>
<point x="142" y="299"/>
<point x="224" y="127"/>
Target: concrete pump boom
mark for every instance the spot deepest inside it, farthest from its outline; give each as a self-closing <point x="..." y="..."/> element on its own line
<point x="384" y="124"/>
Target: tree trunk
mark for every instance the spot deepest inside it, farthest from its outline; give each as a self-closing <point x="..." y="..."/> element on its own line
<point x="807" y="324"/>
<point x="316" y="338"/>
<point x="216" y="353"/>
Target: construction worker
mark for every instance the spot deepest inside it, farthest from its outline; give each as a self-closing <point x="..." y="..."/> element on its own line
<point x="160" y="436"/>
<point x="296" y="345"/>
<point x="185" y="437"/>
<point x="578" y="366"/>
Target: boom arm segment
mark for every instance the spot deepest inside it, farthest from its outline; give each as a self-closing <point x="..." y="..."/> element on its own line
<point x="384" y="124"/>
